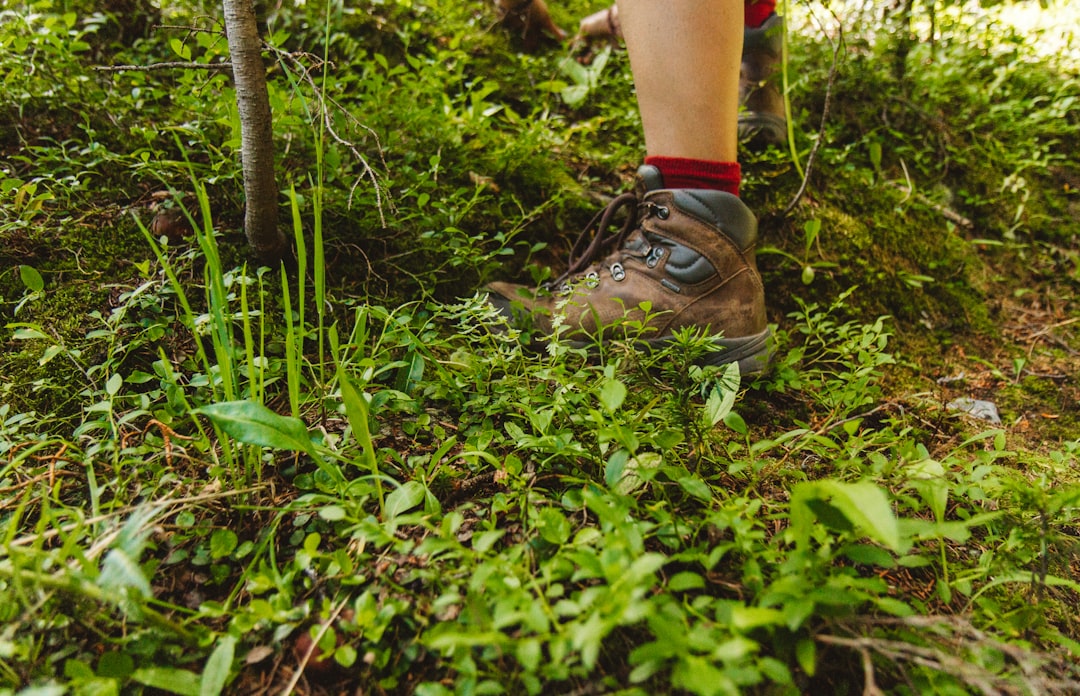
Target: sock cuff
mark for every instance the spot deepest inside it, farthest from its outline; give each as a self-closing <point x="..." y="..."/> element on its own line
<point x="683" y="172"/>
<point x="755" y="12"/>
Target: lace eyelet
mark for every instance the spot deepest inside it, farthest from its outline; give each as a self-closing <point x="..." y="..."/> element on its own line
<point x="618" y="273"/>
<point x="660" y="211"/>
<point x="654" y="256"/>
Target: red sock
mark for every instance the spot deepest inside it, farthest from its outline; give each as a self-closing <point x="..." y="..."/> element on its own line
<point x="681" y="172"/>
<point x="757" y="11"/>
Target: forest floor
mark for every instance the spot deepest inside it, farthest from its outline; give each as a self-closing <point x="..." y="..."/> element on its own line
<point x="341" y="476"/>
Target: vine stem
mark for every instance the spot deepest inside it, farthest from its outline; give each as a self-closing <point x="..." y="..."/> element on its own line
<point x="833" y="69"/>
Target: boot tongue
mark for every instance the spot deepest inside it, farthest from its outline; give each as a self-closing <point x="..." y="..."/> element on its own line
<point x="649" y="179"/>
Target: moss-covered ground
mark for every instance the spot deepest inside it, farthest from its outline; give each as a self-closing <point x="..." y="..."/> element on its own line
<point x="943" y="194"/>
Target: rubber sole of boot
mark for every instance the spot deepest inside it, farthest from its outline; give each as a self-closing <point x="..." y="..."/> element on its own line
<point x="753" y="353"/>
<point x="758" y="130"/>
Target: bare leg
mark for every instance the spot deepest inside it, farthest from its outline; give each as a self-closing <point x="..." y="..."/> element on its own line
<point x="685" y="55"/>
<point x="685" y="258"/>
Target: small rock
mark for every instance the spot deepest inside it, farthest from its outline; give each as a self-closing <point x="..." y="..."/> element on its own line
<point x="976" y="408"/>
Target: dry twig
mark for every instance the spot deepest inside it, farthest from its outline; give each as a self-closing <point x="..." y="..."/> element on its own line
<point x="833" y="69"/>
<point x="168" y="65"/>
<point x="946" y="640"/>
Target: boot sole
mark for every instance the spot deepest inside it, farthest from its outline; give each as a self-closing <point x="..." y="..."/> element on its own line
<point x="758" y="130"/>
<point x="753" y="353"/>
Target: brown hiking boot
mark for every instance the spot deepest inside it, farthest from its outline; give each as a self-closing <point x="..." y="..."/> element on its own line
<point x="762" y="118"/>
<point x="686" y="254"/>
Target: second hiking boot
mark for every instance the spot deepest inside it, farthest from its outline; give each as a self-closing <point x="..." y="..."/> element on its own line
<point x="762" y="117"/>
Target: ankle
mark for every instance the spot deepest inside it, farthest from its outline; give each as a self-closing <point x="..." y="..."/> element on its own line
<point x="683" y="172"/>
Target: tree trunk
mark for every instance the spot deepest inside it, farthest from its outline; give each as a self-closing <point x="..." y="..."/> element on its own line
<point x="256" y="132"/>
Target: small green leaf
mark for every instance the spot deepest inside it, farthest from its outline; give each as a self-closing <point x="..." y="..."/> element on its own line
<point x="875" y="155"/>
<point x="616" y="463"/>
<point x="483" y="541"/>
<point x="169" y="679"/>
<point x="31" y="278"/>
<point x="404" y="498"/>
<point x="529" y="652"/>
<point x="735" y="422"/>
<point x="357" y="413"/>
<point x="332" y="513"/>
<point x="749" y="618"/>
<point x="574" y="70"/>
<point x="28" y="333"/>
<point x="796" y="612"/>
<point x="811" y="228"/>
<point x="699" y="675"/>
<point x="943" y="591"/>
<point x="180" y="49"/>
<point x="410" y="374"/>
<point x="893" y="606"/>
<point x="574" y="95"/>
<point x="222" y="543"/>
<point x="114" y="384"/>
<point x="722" y="397"/>
<point x="806" y="655"/>
<point x="632" y="479"/>
<point x="862" y="505"/>
<point x="686" y="580"/>
<point x="612" y="395"/>
<point x="138" y="377"/>
<point x="776" y="671"/>
<point x="868" y="554"/>
<point x="867" y="505"/>
<point x="696" y="487"/>
<point x="553" y="526"/>
<point x="254" y="424"/>
<point x="75" y="669"/>
<point x="218" y="667"/>
<point x="345" y="655"/>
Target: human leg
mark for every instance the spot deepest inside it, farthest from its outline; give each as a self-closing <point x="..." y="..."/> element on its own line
<point x="687" y="249"/>
<point x="762" y="117"/>
<point x="685" y="56"/>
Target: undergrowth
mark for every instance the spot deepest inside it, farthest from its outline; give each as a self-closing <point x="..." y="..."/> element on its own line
<point x="351" y="475"/>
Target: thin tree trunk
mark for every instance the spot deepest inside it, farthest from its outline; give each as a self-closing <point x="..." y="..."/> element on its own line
<point x="256" y="132"/>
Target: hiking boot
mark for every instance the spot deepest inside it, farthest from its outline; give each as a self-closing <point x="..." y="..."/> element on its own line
<point x="762" y="118"/>
<point x="688" y="253"/>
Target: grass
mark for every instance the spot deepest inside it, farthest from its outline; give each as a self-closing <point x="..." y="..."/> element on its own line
<point x="217" y="478"/>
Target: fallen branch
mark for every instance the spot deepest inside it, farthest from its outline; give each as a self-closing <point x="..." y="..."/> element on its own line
<point x="947" y="213"/>
<point x="171" y="65"/>
<point x="946" y="639"/>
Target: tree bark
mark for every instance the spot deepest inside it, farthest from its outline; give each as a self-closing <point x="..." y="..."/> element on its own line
<point x="256" y="132"/>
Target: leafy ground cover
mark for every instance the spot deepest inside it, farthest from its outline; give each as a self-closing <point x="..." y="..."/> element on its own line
<point x="335" y="477"/>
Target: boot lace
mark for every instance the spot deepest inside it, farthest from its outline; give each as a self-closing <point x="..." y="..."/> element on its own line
<point x="588" y="250"/>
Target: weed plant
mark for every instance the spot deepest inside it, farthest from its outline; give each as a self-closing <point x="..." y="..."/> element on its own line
<point x="349" y="474"/>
